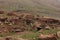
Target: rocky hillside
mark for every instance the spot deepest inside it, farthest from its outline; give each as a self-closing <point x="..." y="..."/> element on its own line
<point x="49" y="8"/>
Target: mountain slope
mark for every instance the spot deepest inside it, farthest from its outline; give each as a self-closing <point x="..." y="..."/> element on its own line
<point x="49" y="8"/>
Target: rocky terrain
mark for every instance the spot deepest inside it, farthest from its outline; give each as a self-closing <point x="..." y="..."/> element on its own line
<point x="19" y="23"/>
<point x="29" y="19"/>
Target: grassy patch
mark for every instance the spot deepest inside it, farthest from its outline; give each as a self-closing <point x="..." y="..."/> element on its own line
<point x="6" y="34"/>
<point x="30" y="36"/>
<point x="33" y="35"/>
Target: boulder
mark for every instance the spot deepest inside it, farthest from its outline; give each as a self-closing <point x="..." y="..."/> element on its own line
<point x="47" y="37"/>
<point x="58" y="34"/>
<point x="1" y="38"/>
<point x="1" y="12"/>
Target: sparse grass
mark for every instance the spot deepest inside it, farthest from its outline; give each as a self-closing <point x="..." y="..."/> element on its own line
<point x="30" y="36"/>
<point x="6" y="34"/>
<point x="49" y="31"/>
<point x="33" y="35"/>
